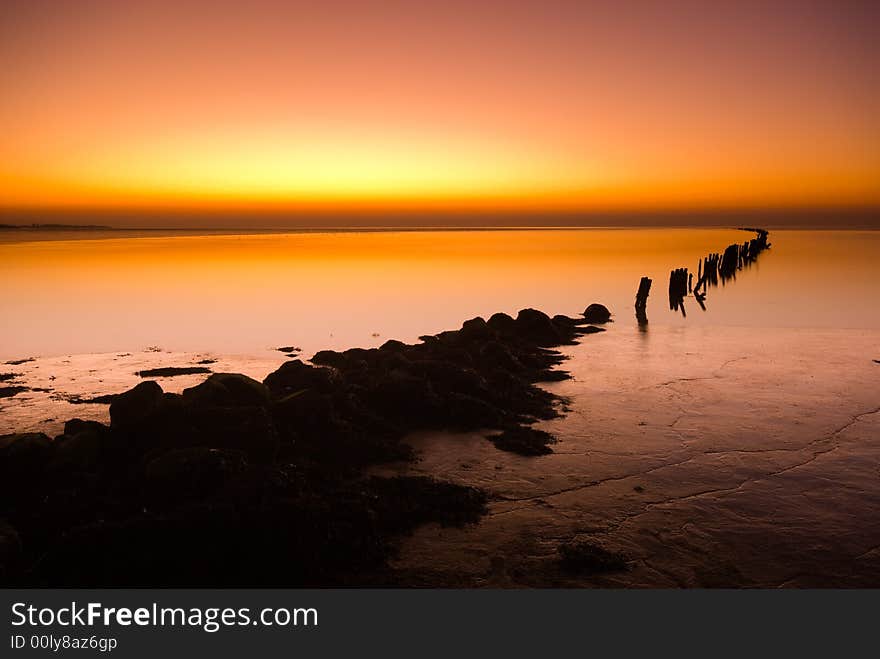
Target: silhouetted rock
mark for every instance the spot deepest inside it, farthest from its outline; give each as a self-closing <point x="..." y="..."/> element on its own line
<point x="172" y="371"/>
<point x="135" y="405"/>
<point x="524" y="440"/>
<point x="19" y="362"/>
<point x="405" y="502"/>
<point x="23" y="460"/>
<point x="83" y="447"/>
<point x="9" y="392"/>
<point x="597" y="313"/>
<point x="242" y="483"/>
<point x="294" y="375"/>
<point x="502" y="323"/>
<point x="475" y="329"/>
<point x="180" y="475"/>
<point x="537" y="327"/>
<point x="227" y="390"/>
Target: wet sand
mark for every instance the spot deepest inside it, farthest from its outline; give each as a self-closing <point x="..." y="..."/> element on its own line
<point x="756" y="463"/>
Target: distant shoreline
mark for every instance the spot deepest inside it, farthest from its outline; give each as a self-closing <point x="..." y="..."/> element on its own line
<point x="55" y="227"/>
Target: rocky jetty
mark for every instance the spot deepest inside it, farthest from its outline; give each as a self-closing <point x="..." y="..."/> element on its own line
<point x="236" y="482"/>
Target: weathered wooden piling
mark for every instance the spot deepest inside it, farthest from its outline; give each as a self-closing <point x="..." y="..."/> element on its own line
<point x="642" y="300"/>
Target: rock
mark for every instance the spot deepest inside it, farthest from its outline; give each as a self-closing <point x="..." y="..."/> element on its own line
<point x="9" y="392"/>
<point x="183" y="474"/>
<point x="294" y="375"/>
<point x="597" y="313"/>
<point x="501" y="322"/>
<point x="236" y="482"/>
<point x="77" y="426"/>
<point x="524" y="440"/>
<point x="468" y="412"/>
<point x="83" y="447"/>
<point x="172" y="371"/>
<point x="133" y="407"/>
<point x="406" y="501"/>
<point x="536" y="327"/>
<point x="475" y="329"/>
<point x="393" y="345"/>
<point x="23" y="461"/>
<point x="447" y="376"/>
<point x="24" y="448"/>
<point x="247" y="429"/>
<point x="585" y="557"/>
<point x="405" y="397"/>
<point x="227" y="390"/>
<point x="494" y="355"/>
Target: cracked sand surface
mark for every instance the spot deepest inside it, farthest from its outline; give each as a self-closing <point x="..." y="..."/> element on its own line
<point x="757" y="465"/>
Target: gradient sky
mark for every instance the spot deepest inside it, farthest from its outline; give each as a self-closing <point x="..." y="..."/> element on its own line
<point x="515" y="105"/>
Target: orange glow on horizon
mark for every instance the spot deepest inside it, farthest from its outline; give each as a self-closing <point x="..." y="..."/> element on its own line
<point x="395" y="106"/>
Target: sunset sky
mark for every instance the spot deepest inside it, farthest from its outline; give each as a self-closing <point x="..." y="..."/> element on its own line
<point x="516" y="105"/>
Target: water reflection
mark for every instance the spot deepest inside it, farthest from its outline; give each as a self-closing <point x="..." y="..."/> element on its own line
<point x="246" y="294"/>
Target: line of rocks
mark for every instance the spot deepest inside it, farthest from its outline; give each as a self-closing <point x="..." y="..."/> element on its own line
<point x="235" y="482"/>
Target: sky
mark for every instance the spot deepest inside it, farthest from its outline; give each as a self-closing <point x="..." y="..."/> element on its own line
<point x="545" y="107"/>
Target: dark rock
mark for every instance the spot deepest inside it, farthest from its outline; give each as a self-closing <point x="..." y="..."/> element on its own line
<point x="536" y="326"/>
<point x="449" y="377"/>
<point x="19" y="362"/>
<point x="238" y="483"/>
<point x="106" y="399"/>
<point x="172" y="371"/>
<point x="294" y="375"/>
<point x="404" y="502"/>
<point x="183" y="474"/>
<point x="588" y="558"/>
<point x="468" y="412"/>
<point x="227" y="390"/>
<point x="246" y="429"/>
<point x="393" y="345"/>
<point x="9" y="392"/>
<point x="501" y="322"/>
<point x="8" y="376"/>
<point x="133" y="407"/>
<point x="23" y="460"/>
<point x="524" y="440"/>
<point x="403" y="395"/>
<point x="475" y="329"/>
<point x="77" y="426"/>
<point x="24" y="448"/>
<point x="494" y="354"/>
<point x="597" y="313"/>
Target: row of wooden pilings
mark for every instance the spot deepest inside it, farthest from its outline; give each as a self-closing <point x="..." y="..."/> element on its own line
<point x="715" y="267"/>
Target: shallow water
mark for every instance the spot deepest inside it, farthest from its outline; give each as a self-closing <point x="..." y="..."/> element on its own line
<point x="244" y="294"/>
<point x="736" y="446"/>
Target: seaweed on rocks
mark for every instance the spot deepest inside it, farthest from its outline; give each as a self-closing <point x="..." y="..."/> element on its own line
<point x="236" y="482"/>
